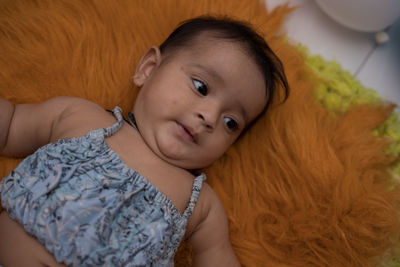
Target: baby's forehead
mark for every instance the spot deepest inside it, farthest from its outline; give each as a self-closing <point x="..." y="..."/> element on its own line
<point x="205" y="39"/>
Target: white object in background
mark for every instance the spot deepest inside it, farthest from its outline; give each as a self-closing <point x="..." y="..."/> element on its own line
<point x="362" y="15"/>
<point x="382" y="37"/>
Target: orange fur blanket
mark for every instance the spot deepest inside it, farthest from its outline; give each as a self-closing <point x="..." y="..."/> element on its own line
<point x="303" y="187"/>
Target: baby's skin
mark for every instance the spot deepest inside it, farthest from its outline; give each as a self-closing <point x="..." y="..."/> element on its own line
<point x="192" y="105"/>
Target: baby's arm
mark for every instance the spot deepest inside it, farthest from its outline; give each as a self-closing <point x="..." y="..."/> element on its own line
<point x="26" y="127"/>
<point x="210" y="239"/>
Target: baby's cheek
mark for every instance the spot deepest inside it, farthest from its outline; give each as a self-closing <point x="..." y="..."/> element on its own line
<point x="221" y="147"/>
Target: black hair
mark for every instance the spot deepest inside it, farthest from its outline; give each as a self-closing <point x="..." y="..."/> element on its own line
<point x="239" y="31"/>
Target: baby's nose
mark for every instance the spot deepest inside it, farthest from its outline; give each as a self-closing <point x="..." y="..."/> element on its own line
<point x="209" y="116"/>
<point x="207" y="121"/>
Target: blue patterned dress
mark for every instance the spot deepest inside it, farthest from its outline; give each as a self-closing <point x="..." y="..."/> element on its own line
<point x="88" y="208"/>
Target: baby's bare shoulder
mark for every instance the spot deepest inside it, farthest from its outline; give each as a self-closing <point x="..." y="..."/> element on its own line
<point x="207" y="207"/>
<point x="74" y="107"/>
<point x="33" y="125"/>
<point x="210" y="237"/>
<point x="78" y="117"/>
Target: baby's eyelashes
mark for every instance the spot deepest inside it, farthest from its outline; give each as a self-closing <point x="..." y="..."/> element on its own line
<point x="200" y="86"/>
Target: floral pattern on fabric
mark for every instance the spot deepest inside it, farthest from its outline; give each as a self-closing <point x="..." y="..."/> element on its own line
<point x="88" y="208"/>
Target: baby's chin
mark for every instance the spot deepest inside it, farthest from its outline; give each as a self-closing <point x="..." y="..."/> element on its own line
<point x="184" y="163"/>
<point x="179" y="154"/>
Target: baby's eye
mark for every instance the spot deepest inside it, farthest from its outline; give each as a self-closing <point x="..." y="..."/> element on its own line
<point x="200" y="87"/>
<point x="231" y="124"/>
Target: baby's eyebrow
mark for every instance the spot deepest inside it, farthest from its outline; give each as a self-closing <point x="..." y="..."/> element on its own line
<point x="209" y="71"/>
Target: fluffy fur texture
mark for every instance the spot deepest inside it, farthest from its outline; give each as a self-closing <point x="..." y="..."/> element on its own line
<point x="303" y="187"/>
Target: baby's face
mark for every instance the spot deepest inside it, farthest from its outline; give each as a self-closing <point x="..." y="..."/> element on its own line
<point x="194" y="104"/>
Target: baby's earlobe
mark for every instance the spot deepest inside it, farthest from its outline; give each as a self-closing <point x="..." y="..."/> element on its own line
<point x="135" y="79"/>
<point x="139" y="80"/>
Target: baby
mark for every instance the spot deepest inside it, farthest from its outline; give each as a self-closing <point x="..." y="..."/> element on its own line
<point x="98" y="189"/>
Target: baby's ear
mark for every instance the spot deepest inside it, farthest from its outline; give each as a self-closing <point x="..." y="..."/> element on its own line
<point x="149" y="62"/>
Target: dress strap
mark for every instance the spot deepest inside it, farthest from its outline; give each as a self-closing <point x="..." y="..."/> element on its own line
<point x="197" y="184"/>
<point x="116" y="126"/>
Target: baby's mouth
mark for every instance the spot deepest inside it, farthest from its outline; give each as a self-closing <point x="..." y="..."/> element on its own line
<point x="190" y="134"/>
